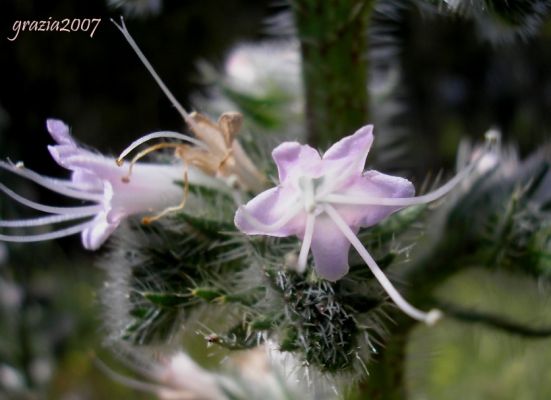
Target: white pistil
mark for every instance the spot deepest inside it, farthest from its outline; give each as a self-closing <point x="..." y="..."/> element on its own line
<point x="429" y="318"/>
<point x="306" y="242"/>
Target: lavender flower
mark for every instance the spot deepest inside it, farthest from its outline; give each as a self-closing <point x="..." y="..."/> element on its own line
<point x="98" y="180"/>
<point x="324" y="201"/>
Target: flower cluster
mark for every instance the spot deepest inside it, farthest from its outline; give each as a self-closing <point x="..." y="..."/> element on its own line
<point x="322" y="200"/>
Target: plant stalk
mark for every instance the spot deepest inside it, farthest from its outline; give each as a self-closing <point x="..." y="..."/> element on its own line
<point x="333" y="38"/>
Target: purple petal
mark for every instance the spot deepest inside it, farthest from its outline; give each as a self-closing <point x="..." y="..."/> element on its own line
<point x="60" y="153"/>
<point x="350" y="153"/>
<point x="59" y="131"/>
<point x="95" y="235"/>
<point x="267" y="208"/>
<point x="87" y="181"/>
<point x="292" y="158"/>
<point x="374" y="184"/>
<point x="84" y="160"/>
<point x="330" y="249"/>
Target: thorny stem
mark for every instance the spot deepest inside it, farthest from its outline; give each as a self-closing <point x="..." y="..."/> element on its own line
<point x="334" y="65"/>
<point x="334" y="69"/>
<point x="387" y="369"/>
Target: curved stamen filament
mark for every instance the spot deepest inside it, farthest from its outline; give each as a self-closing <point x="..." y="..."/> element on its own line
<point x="49" y="209"/>
<point x="39" y="221"/>
<point x="145" y="152"/>
<point x="491" y="142"/>
<point x="398" y="201"/>
<point x="306" y="242"/>
<point x="278" y="224"/>
<point x="159" y="135"/>
<point x="168" y="210"/>
<point x="429" y="318"/>
<point x="46" y="236"/>
<point x="53" y="185"/>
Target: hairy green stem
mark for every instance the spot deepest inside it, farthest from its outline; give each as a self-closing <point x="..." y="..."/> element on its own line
<point x="333" y="38"/>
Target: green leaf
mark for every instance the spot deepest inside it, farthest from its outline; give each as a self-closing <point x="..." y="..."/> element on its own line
<point x="166" y="299"/>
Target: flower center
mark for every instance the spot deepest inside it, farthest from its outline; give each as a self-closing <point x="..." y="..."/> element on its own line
<point x="310" y="188"/>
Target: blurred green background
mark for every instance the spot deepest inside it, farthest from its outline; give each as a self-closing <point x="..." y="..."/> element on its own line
<point x="454" y="83"/>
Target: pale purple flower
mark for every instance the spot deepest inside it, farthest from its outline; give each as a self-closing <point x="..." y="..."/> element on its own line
<point x="324" y="201"/>
<point x="99" y="182"/>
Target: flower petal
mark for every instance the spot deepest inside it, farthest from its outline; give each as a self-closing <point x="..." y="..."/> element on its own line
<point x="374" y="184"/>
<point x="349" y="154"/>
<point x="330" y="249"/>
<point x="59" y="131"/>
<point x="270" y="208"/>
<point x="62" y="152"/>
<point x="86" y="181"/>
<point x="83" y="161"/>
<point x="95" y="235"/>
<point x="292" y="158"/>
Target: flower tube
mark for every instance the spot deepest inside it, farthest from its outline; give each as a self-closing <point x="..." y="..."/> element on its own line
<point x="97" y="180"/>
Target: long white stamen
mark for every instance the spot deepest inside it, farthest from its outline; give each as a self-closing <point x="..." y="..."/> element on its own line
<point x="65" y="183"/>
<point x="159" y="135"/>
<point x="306" y="242"/>
<point x="429" y="318"/>
<point x="39" y="221"/>
<point x="52" y="185"/>
<point x="49" y="209"/>
<point x="490" y="145"/>
<point x="145" y="61"/>
<point x="288" y="216"/>
<point x="397" y="201"/>
<point x="47" y="236"/>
